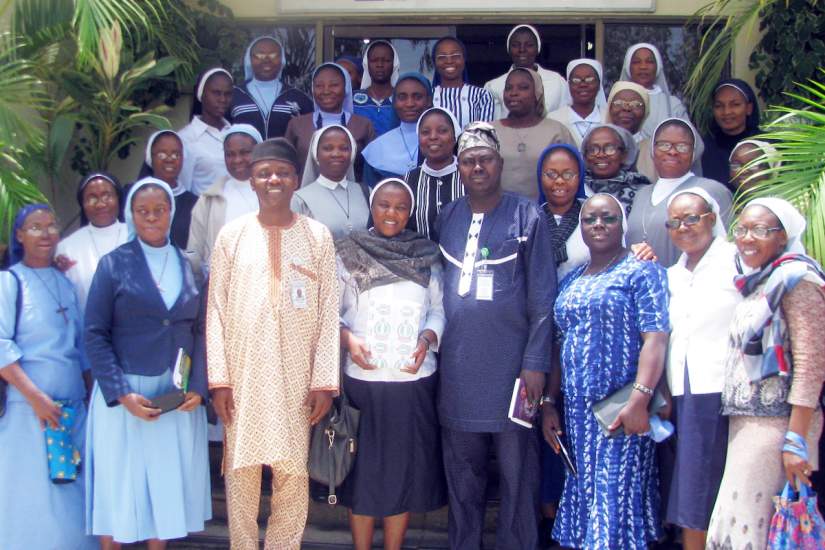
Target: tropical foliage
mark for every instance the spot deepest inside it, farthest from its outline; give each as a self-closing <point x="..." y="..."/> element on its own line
<point x="798" y="135"/>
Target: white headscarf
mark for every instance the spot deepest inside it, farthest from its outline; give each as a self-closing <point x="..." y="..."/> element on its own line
<point x="366" y="79"/>
<point x="453" y="166"/>
<point x="246" y="129"/>
<point x="127" y="212"/>
<point x="718" y="227"/>
<point x="247" y="58"/>
<point x="768" y="150"/>
<point x="621" y="210"/>
<point x="601" y="99"/>
<point x="661" y="79"/>
<point x="311" y="168"/>
<point x="698" y="144"/>
<point x="530" y="28"/>
<point x="347" y="107"/>
<point x="792" y="221"/>
<point x="393" y="180"/>
<point x="206" y="76"/>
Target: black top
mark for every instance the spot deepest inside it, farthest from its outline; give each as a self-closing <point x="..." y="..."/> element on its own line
<point x="292" y="102"/>
<point x="179" y="232"/>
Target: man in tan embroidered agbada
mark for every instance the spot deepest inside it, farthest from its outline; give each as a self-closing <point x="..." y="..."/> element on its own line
<point x="272" y="347"/>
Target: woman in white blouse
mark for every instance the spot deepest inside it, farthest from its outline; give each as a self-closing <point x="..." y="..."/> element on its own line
<point x="702" y="303"/>
<point x="101" y="231"/>
<point x="392" y="318"/>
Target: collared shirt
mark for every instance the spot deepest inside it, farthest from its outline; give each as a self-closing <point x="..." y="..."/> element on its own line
<point x="577" y="125"/>
<point x="203" y="160"/>
<point x="702" y="304"/>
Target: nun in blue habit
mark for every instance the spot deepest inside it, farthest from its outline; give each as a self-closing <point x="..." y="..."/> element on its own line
<point x="148" y="473"/>
<point x="395" y="153"/>
<point x="42" y="360"/>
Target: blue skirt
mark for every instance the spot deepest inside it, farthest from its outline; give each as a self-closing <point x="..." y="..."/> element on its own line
<point x="614" y="501"/>
<point x="147" y="480"/>
<point x="34" y="512"/>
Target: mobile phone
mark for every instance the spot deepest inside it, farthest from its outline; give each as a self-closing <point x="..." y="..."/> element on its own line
<point x="565" y="456"/>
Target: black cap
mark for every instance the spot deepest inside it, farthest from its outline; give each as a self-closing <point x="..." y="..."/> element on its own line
<point x="276" y="149"/>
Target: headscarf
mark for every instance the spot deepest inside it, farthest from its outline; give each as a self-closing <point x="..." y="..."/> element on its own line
<point x="661" y="78"/>
<point x="248" y="74"/>
<point x="465" y="75"/>
<point x="630" y="146"/>
<point x="478" y="134"/>
<point x="769" y="151"/>
<point x="347" y="107"/>
<point x="146" y="170"/>
<point x="16" y="249"/>
<point x="752" y="122"/>
<point x="698" y="144"/>
<point x="88" y="179"/>
<point x="718" y="227"/>
<point x="561" y="231"/>
<point x="130" y="221"/>
<point x="200" y="86"/>
<point x="423" y="80"/>
<point x="452" y="167"/>
<point x="530" y="28"/>
<point x="538" y="88"/>
<point x="601" y="100"/>
<point x="622" y="215"/>
<point x="275" y="149"/>
<point x="621" y="86"/>
<point x="246" y="129"/>
<point x="792" y="221"/>
<point x="366" y="79"/>
<point x="312" y="169"/>
<point x="374" y="260"/>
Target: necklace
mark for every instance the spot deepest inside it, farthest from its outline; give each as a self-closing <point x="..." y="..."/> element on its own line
<point x="94" y="242"/>
<point x="61" y="309"/>
<point x="410" y="154"/>
<point x="341" y="206"/>
<point x="162" y="271"/>
<point x="605" y="266"/>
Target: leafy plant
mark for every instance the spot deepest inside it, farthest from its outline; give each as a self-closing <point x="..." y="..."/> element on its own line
<point x="16" y="188"/>
<point x="798" y="134"/>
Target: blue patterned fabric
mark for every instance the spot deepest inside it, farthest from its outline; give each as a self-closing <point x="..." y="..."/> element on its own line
<point x="614" y="501"/>
<point x="63" y="454"/>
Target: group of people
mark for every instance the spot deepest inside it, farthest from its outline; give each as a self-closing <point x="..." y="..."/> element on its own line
<point x="420" y="248"/>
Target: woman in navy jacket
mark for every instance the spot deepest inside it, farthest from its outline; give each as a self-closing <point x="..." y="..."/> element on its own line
<point x="148" y="473"/>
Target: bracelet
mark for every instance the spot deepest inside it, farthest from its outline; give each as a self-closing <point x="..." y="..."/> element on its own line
<point x="795" y="444"/>
<point x="427" y="340"/>
<point x="548" y="399"/>
<point x="642" y="388"/>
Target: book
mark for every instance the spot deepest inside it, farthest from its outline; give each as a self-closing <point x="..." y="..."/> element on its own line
<point x="522" y="412"/>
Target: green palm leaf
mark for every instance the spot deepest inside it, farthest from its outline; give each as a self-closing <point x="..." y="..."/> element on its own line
<point x="21" y="95"/>
<point x="17" y="188"/>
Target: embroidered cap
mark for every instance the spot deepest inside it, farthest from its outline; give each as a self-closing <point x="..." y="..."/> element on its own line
<point x="478" y="134"/>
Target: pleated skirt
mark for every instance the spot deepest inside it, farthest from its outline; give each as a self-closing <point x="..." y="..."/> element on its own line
<point x="146" y="480"/>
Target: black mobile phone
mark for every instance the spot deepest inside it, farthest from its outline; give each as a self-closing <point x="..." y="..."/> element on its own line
<point x="169" y="401"/>
<point x="565" y="456"/>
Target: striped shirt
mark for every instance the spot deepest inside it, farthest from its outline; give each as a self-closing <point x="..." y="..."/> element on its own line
<point x="431" y="195"/>
<point x="468" y="103"/>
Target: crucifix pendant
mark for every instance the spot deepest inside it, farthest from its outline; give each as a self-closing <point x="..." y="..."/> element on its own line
<point x="62" y="311"/>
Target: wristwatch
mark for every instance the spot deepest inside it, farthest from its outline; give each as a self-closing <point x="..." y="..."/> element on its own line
<point x="548" y="399"/>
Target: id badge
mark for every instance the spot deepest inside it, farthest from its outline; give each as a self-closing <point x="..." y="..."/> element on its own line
<point x="484" y="285"/>
<point x="298" y="292"/>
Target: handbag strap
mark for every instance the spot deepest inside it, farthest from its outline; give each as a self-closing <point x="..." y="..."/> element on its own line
<point x="332" y="499"/>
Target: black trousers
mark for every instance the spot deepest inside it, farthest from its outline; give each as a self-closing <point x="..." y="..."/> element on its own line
<point x="466" y="461"/>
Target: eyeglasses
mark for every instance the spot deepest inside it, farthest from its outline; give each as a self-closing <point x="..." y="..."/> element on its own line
<point x="567" y="175"/>
<point x="160" y="155"/>
<point x="736" y="167"/>
<point x="472" y="162"/>
<point x="687" y="221"/>
<point x="608" y="150"/>
<point x="622" y="104"/>
<point x="445" y="57"/>
<point x="37" y="231"/>
<point x="606" y="220"/>
<point x="586" y="80"/>
<point x="759" y="231"/>
<point x="103" y="198"/>
<point x="263" y="176"/>
<point x="274" y="56"/>
<point x="666" y="147"/>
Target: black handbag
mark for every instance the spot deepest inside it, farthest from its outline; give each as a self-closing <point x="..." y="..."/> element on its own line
<point x="333" y="445"/>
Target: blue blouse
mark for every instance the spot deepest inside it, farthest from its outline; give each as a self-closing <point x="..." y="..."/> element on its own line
<point x="130" y="329"/>
<point x="382" y="114"/>
<point x="47" y="346"/>
<point x="600" y="319"/>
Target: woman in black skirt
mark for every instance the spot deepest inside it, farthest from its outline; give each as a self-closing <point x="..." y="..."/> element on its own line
<point x="392" y="319"/>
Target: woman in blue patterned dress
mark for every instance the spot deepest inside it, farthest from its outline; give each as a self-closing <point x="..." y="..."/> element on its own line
<point x="613" y="318"/>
